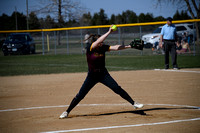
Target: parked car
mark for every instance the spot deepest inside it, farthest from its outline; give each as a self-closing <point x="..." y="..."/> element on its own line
<point x="18" y="43"/>
<point x="151" y="39"/>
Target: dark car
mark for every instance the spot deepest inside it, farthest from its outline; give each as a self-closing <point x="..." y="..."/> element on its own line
<point x="18" y="43"/>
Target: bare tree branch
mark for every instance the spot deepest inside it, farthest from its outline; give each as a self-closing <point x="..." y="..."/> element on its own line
<point x="189" y="8"/>
<point x="195" y="7"/>
<point x="69" y="9"/>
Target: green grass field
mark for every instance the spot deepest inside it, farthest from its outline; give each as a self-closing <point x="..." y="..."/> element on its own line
<point x="47" y="64"/>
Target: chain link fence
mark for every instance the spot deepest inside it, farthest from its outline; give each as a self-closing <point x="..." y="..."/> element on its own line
<point x="72" y="41"/>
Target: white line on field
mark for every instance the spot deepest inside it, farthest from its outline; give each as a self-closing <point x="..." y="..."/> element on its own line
<point x="111" y="127"/>
<point x="177" y="71"/>
<point x="122" y="104"/>
<point x="114" y="127"/>
<point x="43" y="107"/>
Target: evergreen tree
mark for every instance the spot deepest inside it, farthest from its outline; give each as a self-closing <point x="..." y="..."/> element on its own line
<point x="142" y="17"/>
<point x="4" y="22"/>
<point x="21" y="21"/>
<point x="177" y="16"/>
<point x="100" y="18"/>
<point x="149" y="17"/>
<point x="159" y="18"/>
<point x="129" y="17"/>
<point x="86" y="19"/>
<point x="33" y="21"/>
<point x="112" y="19"/>
<point x="119" y="19"/>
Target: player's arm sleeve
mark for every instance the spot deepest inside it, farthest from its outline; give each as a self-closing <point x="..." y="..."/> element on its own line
<point x="106" y="47"/>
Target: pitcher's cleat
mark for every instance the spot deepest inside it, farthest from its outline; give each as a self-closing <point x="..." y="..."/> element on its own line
<point x="63" y="115"/>
<point x="137" y="105"/>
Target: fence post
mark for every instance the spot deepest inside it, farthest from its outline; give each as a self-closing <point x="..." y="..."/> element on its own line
<point x="43" y="42"/>
<point x="81" y="41"/>
<point x="55" y="41"/>
<point x="140" y="32"/>
<point x="119" y="37"/>
<point x="194" y="41"/>
<point x="67" y="38"/>
<point x="48" y="48"/>
<point x="98" y="31"/>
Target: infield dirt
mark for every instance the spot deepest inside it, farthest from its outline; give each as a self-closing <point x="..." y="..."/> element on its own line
<point x="147" y="87"/>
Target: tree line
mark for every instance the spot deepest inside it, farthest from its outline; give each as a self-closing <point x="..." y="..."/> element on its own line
<point x="18" y="20"/>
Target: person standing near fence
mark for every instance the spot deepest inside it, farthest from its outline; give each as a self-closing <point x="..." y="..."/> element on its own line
<point x="97" y="72"/>
<point x="169" y="37"/>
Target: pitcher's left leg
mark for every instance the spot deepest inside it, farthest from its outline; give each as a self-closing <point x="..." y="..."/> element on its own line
<point x="112" y="84"/>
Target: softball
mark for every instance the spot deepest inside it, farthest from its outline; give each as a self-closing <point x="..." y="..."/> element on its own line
<point x="114" y="27"/>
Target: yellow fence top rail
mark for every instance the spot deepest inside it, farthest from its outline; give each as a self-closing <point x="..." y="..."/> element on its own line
<point x="101" y="26"/>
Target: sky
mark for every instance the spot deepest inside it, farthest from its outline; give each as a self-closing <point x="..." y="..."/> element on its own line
<point x="93" y="6"/>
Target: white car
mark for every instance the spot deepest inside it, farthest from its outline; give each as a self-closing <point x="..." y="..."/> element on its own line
<point x="151" y="39"/>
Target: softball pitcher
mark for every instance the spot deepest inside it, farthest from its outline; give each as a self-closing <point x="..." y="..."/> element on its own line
<point x="97" y="71"/>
